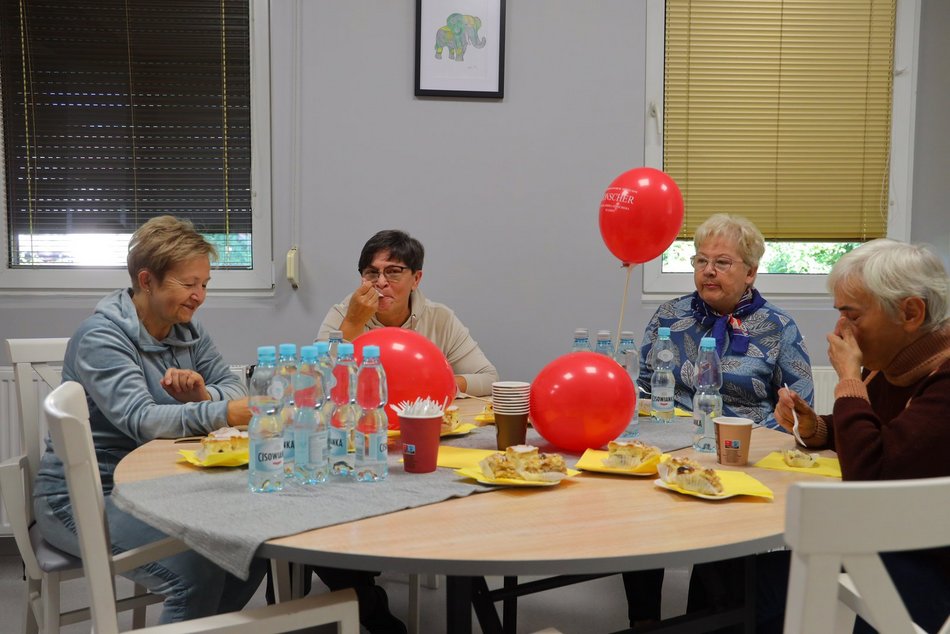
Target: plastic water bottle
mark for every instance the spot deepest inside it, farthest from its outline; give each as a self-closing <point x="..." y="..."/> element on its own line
<point x="581" y="340"/>
<point x="629" y="357"/>
<point x="371" y="436"/>
<point x="336" y="338"/>
<point x="266" y="442"/>
<point x="287" y="368"/>
<point x="662" y="382"/>
<point x="346" y="413"/>
<point x="312" y="464"/>
<point x="707" y="403"/>
<point x="605" y="344"/>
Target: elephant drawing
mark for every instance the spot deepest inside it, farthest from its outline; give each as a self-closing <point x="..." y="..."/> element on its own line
<point x="459" y="31"/>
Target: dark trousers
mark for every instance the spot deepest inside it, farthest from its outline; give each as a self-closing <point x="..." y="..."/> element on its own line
<point x="333" y="578"/>
<point x="644" y="590"/>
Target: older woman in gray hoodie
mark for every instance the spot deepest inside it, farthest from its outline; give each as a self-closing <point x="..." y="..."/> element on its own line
<point x="150" y="371"/>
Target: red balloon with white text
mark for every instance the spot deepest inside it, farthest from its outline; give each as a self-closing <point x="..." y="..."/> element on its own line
<point x="641" y="213"/>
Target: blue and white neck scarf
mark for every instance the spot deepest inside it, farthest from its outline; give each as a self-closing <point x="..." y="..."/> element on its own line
<point x="706" y="315"/>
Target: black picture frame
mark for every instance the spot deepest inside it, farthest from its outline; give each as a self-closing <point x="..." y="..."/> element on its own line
<point x="460" y="54"/>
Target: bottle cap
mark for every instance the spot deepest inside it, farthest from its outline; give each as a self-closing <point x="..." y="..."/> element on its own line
<point x="336" y="335"/>
<point x="266" y="353"/>
<point x="581" y="332"/>
<point x="322" y="347"/>
<point x="288" y="350"/>
<point x="603" y="333"/>
<point x="308" y="354"/>
<point x="345" y="348"/>
<point x="626" y="334"/>
<point x="370" y="352"/>
<point x="707" y="343"/>
<point x="663" y="331"/>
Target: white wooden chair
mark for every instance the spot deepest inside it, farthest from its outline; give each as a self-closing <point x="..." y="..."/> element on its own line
<point x="46" y="567"/>
<point x="835" y="525"/>
<point x="68" y="419"/>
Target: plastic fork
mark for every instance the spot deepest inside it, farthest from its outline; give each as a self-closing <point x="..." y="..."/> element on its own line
<point x="795" y="422"/>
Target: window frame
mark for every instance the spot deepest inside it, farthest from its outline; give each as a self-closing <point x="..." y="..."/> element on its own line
<point x="261" y="277"/>
<point x="659" y="286"/>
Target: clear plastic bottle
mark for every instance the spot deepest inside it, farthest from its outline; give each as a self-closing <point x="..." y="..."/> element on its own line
<point x="707" y="402"/>
<point x="662" y="382"/>
<point x="605" y="344"/>
<point x="287" y="368"/>
<point x="371" y="436"/>
<point x="336" y="338"/>
<point x="312" y="463"/>
<point x="629" y="357"/>
<point x="345" y="413"/>
<point x="266" y="442"/>
<point x="581" y="340"/>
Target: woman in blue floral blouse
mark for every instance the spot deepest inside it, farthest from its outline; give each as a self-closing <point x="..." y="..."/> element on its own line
<point x="761" y="350"/>
<point x="759" y="344"/>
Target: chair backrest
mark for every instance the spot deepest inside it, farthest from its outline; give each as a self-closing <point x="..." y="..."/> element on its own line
<point x="68" y="418"/>
<point x="835" y="525"/>
<point x="44" y="357"/>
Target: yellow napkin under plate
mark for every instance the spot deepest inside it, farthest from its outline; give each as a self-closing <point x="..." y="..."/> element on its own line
<point x="476" y="474"/>
<point x="733" y="483"/>
<point x="461" y="457"/>
<point x="829" y="467"/>
<point x="225" y="459"/>
<point x="593" y="460"/>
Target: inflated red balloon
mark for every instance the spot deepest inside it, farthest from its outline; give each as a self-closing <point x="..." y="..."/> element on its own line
<point x="415" y="367"/>
<point x="582" y="400"/>
<point x="640" y="214"/>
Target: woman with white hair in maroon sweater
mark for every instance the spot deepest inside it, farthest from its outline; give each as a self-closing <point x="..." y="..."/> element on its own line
<point x="891" y="351"/>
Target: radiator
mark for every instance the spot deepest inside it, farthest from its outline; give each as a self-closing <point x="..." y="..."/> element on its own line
<point x="825" y="379"/>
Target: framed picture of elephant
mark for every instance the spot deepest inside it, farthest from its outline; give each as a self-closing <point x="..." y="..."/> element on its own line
<point x="460" y="48"/>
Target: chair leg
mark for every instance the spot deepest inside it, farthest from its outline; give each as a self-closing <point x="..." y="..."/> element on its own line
<point x="280" y="570"/>
<point x="413" y="608"/>
<point x="51" y="603"/>
<point x="33" y="612"/>
<point x="138" y="614"/>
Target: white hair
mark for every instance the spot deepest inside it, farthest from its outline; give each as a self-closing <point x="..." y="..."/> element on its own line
<point x="749" y="241"/>
<point x="892" y="271"/>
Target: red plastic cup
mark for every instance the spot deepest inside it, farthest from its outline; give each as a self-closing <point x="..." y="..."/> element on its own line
<point x="420" y="442"/>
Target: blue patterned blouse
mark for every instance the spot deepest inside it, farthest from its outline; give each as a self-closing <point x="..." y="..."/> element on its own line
<point x="776" y="355"/>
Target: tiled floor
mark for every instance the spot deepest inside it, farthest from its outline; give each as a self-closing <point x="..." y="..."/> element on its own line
<point x="595" y="606"/>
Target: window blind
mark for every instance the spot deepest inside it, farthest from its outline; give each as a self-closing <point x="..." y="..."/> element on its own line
<point x="118" y="111"/>
<point x="779" y="110"/>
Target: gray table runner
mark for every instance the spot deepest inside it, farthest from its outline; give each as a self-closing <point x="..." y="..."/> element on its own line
<point x="214" y="513"/>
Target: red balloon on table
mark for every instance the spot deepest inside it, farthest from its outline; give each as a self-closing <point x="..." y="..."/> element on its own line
<point x="581" y="400"/>
<point x="415" y="367"/>
<point x="641" y="213"/>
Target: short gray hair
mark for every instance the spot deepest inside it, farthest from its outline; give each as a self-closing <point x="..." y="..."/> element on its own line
<point x="892" y="271"/>
<point x="748" y="238"/>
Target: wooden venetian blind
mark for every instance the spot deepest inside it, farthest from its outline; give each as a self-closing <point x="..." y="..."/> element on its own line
<point x="779" y="110"/>
<point x="116" y="111"/>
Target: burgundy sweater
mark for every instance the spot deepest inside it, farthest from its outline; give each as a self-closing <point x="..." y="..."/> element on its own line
<point x="898" y="426"/>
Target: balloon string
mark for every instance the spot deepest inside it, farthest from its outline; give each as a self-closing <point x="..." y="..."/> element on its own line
<point x="623" y="305"/>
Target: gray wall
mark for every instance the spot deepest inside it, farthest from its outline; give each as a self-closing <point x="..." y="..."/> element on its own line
<point x="504" y="195"/>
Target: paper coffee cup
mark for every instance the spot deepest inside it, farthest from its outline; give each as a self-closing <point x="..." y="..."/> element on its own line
<point x="511" y="429"/>
<point x="420" y="442"/>
<point x="732" y="440"/>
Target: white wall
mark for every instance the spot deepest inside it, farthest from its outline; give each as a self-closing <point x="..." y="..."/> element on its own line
<point x="504" y="194"/>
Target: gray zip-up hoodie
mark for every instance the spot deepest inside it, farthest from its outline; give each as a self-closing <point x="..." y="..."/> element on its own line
<point x="120" y="365"/>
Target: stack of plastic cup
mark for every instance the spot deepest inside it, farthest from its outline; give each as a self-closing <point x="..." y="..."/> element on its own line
<point x="510" y="403"/>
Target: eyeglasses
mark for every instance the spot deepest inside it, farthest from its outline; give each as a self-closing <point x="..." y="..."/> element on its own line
<point x="392" y="272"/>
<point x="700" y="262"/>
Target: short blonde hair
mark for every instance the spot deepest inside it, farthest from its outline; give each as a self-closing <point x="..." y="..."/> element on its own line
<point x="161" y="243"/>
<point x="892" y="271"/>
<point x="748" y="238"/>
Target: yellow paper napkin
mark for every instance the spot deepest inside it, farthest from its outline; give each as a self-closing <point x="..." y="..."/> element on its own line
<point x="226" y="459"/>
<point x="461" y="457"/>
<point x="829" y="467"/>
<point x="593" y="460"/>
<point x="733" y="483"/>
